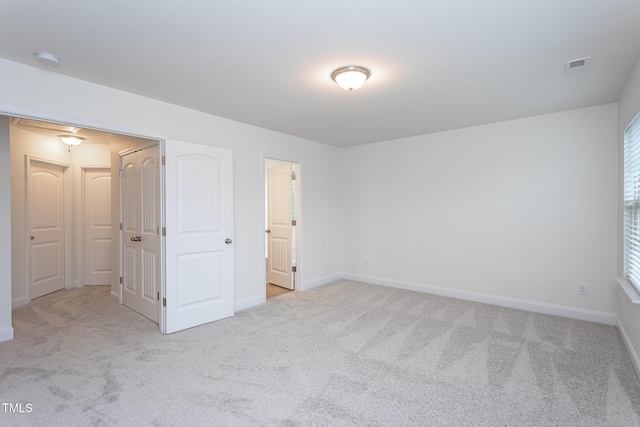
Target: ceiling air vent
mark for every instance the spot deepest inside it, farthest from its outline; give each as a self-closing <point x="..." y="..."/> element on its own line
<point x="18" y="121"/>
<point x="577" y="66"/>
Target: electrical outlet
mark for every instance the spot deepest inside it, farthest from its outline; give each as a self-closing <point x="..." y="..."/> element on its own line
<point x="582" y="289"/>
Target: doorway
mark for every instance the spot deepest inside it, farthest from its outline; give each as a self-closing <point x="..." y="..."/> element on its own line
<point x="79" y="209"/>
<point x="282" y="195"/>
<point x="196" y="281"/>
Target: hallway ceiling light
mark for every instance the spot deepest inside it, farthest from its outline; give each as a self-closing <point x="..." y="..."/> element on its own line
<point x="71" y="139"/>
<point x="350" y="77"/>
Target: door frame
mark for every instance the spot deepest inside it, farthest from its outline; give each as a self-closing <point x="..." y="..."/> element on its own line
<point x="81" y="257"/>
<point x="67" y="210"/>
<point x="161" y="210"/>
<point x="13" y="110"/>
<point x="297" y="164"/>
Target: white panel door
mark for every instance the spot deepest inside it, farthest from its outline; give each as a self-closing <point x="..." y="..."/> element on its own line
<point x="279" y="216"/>
<point x="97" y="226"/>
<point x="46" y="222"/>
<point x="140" y="232"/>
<point x="199" y="222"/>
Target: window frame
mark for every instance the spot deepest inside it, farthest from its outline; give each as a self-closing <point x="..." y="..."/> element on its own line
<point x="631" y="201"/>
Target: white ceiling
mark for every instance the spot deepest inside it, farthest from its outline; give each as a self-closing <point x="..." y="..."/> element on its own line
<point x="436" y="64"/>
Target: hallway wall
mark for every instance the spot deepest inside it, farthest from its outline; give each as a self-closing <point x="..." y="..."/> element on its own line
<point x="25" y="142"/>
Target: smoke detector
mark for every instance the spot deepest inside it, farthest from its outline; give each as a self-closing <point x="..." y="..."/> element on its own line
<point x="577" y="66"/>
<point x="47" y="58"/>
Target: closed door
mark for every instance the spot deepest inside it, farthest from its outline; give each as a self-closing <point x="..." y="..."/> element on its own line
<point x="140" y="232"/>
<point x="46" y="228"/>
<point x="279" y="223"/>
<point x="97" y="226"/>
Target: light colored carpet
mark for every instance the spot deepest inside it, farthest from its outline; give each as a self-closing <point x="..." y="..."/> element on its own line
<point x="345" y="354"/>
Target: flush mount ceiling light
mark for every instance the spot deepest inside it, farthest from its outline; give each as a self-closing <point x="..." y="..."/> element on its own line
<point x="351" y="77"/>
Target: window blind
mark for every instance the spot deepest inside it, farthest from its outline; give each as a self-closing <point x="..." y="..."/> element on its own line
<point x="632" y="202"/>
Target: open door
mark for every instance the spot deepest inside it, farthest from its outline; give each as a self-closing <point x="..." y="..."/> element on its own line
<point x="140" y="231"/>
<point x="199" y="225"/>
<point x="279" y="223"/>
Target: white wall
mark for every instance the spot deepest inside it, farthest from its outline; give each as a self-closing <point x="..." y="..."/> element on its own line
<point x="514" y="213"/>
<point x="78" y="102"/>
<point x="628" y="313"/>
<point x="6" y="330"/>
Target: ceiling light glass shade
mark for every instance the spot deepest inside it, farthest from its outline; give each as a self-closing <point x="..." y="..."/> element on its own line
<point x="351" y="77"/>
<point x="70" y="139"/>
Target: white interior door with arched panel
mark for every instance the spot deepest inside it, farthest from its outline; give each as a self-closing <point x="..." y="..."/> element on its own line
<point x="199" y="226"/>
<point x="46" y="219"/>
<point x="97" y="225"/>
<point x="141" y="254"/>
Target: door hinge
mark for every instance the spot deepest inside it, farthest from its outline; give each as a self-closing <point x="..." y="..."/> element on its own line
<point x="120" y="226"/>
<point x="293" y="222"/>
<point x="158" y="296"/>
<point x="164" y="231"/>
<point x="293" y="176"/>
<point x="121" y="280"/>
<point x="294" y="268"/>
<point x="120" y="172"/>
<point x="164" y="302"/>
<point x="164" y="160"/>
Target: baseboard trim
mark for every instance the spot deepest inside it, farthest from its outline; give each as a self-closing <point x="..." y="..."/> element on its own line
<point x="6" y="333"/>
<point x="114" y="297"/>
<point x="635" y="361"/>
<point x="19" y="302"/>
<point x="521" y="304"/>
<point x="246" y="303"/>
<point x="321" y="282"/>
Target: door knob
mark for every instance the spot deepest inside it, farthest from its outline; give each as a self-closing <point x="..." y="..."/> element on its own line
<point x="227" y="241"/>
<point x="33" y="237"/>
<point x="267" y="231"/>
